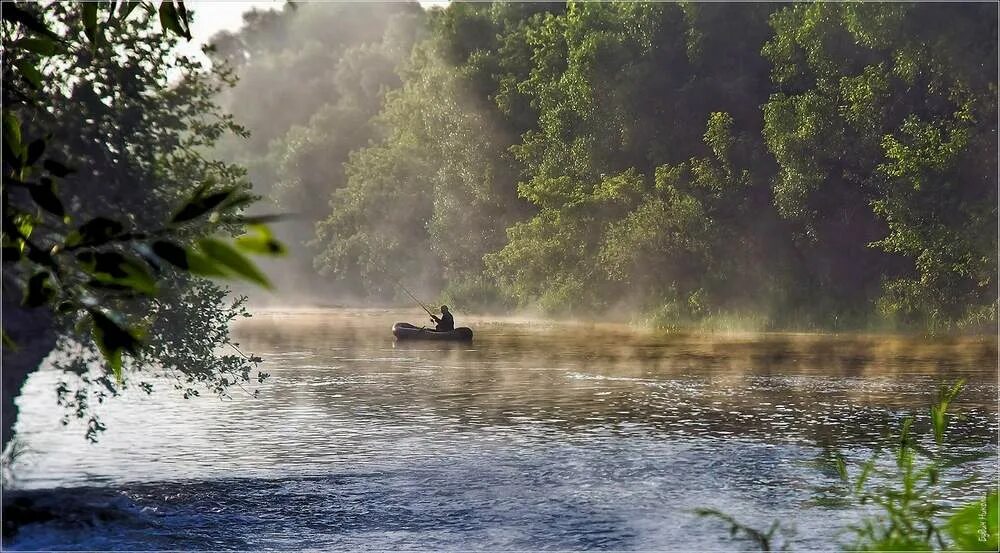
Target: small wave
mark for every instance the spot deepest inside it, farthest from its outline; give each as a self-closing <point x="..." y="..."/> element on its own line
<point x="584" y="376"/>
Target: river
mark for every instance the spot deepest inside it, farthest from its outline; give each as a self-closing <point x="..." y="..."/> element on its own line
<point x="537" y="435"/>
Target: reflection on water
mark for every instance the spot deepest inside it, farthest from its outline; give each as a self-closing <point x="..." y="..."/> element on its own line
<point x="536" y="435"/>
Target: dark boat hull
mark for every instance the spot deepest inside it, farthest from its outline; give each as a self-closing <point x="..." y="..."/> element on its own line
<point x="406" y="331"/>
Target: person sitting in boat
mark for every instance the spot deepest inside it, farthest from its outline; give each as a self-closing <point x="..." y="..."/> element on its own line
<point x="445" y="322"/>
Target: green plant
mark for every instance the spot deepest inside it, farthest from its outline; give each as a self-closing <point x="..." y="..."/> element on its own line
<point x="912" y="514"/>
<point x="765" y="540"/>
<point x="910" y="493"/>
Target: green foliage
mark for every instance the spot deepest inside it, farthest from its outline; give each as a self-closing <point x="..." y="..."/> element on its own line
<point x="228" y="261"/>
<point x="95" y="159"/>
<point x="189" y="320"/>
<point x="431" y="198"/>
<point x="817" y="165"/>
<point x="626" y="201"/>
<point x="881" y="115"/>
<point x="474" y="294"/>
<point x="912" y="511"/>
<point x="974" y="527"/>
<point x="908" y="494"/>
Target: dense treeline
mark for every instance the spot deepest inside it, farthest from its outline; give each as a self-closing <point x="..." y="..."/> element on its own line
<point x="809" y="165"/>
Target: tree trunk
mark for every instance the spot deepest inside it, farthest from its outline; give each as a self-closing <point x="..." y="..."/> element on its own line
<point x="34" y="335"/>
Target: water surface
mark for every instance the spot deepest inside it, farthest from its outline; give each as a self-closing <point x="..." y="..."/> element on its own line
<point x="535" y="436"/>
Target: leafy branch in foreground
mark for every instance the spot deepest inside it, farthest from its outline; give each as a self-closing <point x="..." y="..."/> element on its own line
<point x="85" y="266"/>
<point x="910" y="493"/>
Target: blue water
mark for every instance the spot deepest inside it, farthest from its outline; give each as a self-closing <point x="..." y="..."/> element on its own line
<point x="536" y="436"/>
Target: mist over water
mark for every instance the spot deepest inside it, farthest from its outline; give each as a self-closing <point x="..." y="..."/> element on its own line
<point x="537" y="435"/>
<point x="712" y="169"/>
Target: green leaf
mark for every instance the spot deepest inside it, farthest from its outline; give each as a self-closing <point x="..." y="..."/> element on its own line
<point x="40" y="290"/>
<point x="233" y="260"/>
<point x="841" y="465"/>
<point x="975" y="526"/>
<point x="904" y="433"/>
<point x="35" y="151"/>
<point x="42" y="46"/>
<point x="182" y="16"/>
<point x="939" y="412"/>
<point x="202" y="265"/>
<point x="200" y="205"/>
<point x="44" y="194"/>
<point x="112" y="338"/>
<point x="238" y="200"/>
<point x="90" y="22"/>
<point x="11" y="12"/>
<point x="115" y="268"/>
<point x="95" y="232"/>
<point x="12" y="130"/>
<point x="171" y="21"/>
<point x="171" y="253"/>
<point x="261" y="242"/>
<point x="189" y="259"/>
<point x="30" y="73"/>
<point x="8" y="342"/>
<point x="13" y="154"/>
<point x="12" y="157"/>
<point x="866" y="471"/>
<point x="57" y="169"/>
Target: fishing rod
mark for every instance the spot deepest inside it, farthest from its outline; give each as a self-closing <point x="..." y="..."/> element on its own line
<point x="403" y="288"/>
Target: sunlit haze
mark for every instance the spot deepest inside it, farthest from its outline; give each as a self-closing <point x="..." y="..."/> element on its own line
<point x="499" y="275"/>
<point x="214" y="16"/>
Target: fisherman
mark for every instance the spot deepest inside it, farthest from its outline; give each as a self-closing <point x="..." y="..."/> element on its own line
<point x="445" y="322"/>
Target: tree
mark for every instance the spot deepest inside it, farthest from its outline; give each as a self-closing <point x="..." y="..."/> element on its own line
<point x="433" y="196"/>
<point x="628" y="189"/>
<point x="109" y="202"/>
<point x="883" y="126"/>
<point x="312" y="77"/>
<point x="808" y="165"/>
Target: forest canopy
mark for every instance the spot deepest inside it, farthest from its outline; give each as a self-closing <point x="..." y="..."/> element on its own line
<point x="823" y="165"/>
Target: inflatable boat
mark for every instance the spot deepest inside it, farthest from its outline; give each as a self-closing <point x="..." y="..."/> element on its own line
<point x="406" y="331"/>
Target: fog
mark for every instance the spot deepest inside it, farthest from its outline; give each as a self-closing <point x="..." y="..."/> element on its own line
<point x="672" y="165"/>
<point x="311" y="77"/>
